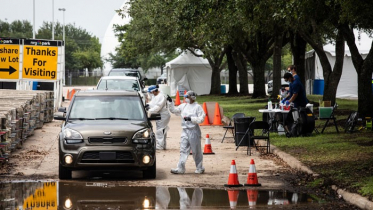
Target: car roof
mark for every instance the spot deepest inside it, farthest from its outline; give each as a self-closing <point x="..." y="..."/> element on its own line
<point x="119" y="77"/>
<point x="106" y="93"/>
<point x="124" y="69"/>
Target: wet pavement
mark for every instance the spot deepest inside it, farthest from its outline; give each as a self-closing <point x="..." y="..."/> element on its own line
<point x="112" y="195"/>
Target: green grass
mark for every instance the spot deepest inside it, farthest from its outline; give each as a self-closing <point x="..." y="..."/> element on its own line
<point x="344" y="158"/>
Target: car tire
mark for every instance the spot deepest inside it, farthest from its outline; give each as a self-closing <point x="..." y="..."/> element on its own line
<point x="64" y="173"/>
<point x="150" y="172"/>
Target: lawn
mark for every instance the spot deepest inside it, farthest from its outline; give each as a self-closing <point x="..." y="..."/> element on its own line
<point x="344" y="159"/>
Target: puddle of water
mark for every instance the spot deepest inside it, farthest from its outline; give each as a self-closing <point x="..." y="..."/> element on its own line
<point x="112" y="195"/>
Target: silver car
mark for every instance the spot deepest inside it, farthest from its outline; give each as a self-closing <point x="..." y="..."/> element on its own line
<point x="106" y="130"/>
<point x="122" y="83"/>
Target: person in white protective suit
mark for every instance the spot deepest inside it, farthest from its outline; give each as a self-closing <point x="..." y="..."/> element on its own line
<point x="186" y="203"/>
<point x="192" y="115"/>
<point x="158" y="105"/>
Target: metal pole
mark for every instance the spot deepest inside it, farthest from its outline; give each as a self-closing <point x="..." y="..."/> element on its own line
<point x="33" y="28"/>
<point x="52" y="19"/>
<point x="64" y="44"/>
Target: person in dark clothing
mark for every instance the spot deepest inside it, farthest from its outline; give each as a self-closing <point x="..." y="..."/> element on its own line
<point x="297" y="92"/>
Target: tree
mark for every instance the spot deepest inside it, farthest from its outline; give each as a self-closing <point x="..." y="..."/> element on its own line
<point x="16" y="29"/>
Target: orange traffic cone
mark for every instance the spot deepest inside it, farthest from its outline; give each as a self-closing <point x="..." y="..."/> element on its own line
<point x="206" y="122"/>
<point x="67" y="94"/>
<point x="184" y="95"/>
<point x="252" y="197"/>
<point x="177" y="99"/>
<point x="208" y="150"/>
<point x="252" y="178"/>
<point x="233" y="197"/>
<point x="233" y="177"/>
<point x="72" y="94"/>
<point x="217" y="117"/>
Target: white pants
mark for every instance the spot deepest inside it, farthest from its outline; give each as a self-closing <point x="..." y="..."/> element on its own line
<point x="162" y="128"/>
<point x="190" y="139"/>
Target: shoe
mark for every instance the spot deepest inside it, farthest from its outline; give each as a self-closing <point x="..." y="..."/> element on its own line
<point x="177" y="171"/>
<point x="199" y="171"/>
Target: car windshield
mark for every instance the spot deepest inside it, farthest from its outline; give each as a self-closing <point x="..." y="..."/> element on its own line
<point x="125" y="73"/>
<point x="118" y="84"/>
<point x="107" y="107"/>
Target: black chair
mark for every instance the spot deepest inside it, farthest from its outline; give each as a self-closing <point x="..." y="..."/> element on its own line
<point x="230" y="126"/>
<point x="259" y="131"/>
<point x="331" y="117"/>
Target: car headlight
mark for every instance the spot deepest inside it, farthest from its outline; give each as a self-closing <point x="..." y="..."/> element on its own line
<point x="72" y="136"/>
<point x="142" y="136"/>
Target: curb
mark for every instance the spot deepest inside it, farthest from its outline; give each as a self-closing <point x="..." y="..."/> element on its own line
<point x="352" y="198"/>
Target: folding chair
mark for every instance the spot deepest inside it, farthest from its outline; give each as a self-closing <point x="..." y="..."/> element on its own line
<point x="259" y="130"/>
<point x="230" y="126"/>
<point x="331" y="117"/>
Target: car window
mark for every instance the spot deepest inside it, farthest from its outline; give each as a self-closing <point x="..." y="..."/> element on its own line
<point x="129" y="107"/>
<point x="125" y="73"/>
<point x="118" y="84"/>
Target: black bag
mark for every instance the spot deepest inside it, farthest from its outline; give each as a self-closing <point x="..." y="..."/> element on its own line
<point x="304" y="125"/>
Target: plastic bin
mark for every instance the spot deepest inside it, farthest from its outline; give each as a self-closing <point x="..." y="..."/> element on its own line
<point x="240" y="126"/>
<point x="318" y="87"/>
<point x="223" y="89"/>
<point x="325" y="112"/>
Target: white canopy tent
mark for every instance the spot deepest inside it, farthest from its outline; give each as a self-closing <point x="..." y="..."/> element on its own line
<point x="348" y="84"/>
<point x="189" y="72"/>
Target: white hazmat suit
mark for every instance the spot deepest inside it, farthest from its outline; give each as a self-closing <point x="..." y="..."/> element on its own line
<point x="158" y="104"/>
<point x="190" y="135"/>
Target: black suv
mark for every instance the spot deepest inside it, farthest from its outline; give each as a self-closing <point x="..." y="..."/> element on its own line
<point x="106" y="130"/>
<point x="128" y="72"/>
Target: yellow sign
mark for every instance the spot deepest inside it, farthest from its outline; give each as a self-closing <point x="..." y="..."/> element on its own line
<point x="43" y="198"/>
<point x="40" y="62"/>
<point x="9" y="61"/>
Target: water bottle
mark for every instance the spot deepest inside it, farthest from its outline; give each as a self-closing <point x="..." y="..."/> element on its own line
<point x="269" y="104"/>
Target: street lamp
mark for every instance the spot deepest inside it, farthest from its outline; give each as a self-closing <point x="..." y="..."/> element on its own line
<point x="64" y="43"/>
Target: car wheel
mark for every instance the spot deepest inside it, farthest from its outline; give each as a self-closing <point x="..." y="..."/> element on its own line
<point x="64" y="173"/>
<point x="150" y="172"/>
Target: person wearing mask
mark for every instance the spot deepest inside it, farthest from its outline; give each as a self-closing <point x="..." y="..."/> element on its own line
<point x="192" y="115"/>
<point x="293" y="70"/>
<point x="297" y="92"/>
<point x="158" y="105"/>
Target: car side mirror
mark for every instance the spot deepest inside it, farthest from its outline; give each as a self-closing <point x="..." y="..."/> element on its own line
<point x="62" y="109"/>
<point x="59" y="116"/>
<point x="155" y="116"/>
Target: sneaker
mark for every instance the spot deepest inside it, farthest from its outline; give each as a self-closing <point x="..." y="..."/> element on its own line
<point x="199" y="171"/>
<point x="177" y="171"/>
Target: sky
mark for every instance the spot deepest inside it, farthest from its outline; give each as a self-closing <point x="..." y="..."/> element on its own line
<point x="92" y="15"/>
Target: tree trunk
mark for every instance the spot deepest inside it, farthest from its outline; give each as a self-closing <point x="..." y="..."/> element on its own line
<point x="232" y="72"/>
<point x="241" y="64"/>
<point x="364" y="70"/>
<point x="259" y="79"/>
<point x="298" y="48"/>
<point x="277" y="66"/>
<point x="215" y="81"/>
<point x="332" y="78"/>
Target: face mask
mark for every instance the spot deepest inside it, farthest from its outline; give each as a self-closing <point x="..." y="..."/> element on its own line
<point x="187" y="100"/>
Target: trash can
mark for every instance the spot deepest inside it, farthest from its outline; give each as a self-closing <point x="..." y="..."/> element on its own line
<point x="318" y="87"/>
<point x="223" y="89"/>
<point x="240" y="126"/>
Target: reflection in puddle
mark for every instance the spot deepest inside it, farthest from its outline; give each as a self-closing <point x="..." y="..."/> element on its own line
<point x="112" y="195"/>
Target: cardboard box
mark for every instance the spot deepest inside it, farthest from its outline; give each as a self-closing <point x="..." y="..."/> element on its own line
<point x="327" y="103"/>
<point x="325" y="112"/>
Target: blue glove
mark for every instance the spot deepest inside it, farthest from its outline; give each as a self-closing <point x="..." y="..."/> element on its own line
<point x="287" y="103"/>
<point x="283" y="100"/>
<point x="187" y="119"/>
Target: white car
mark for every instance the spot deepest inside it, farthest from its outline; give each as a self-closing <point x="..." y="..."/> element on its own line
<point x="122" y="83"/>
<point x="284" y="84"/>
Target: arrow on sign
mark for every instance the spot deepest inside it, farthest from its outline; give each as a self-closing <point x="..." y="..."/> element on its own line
<point x="11" y="70"/>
